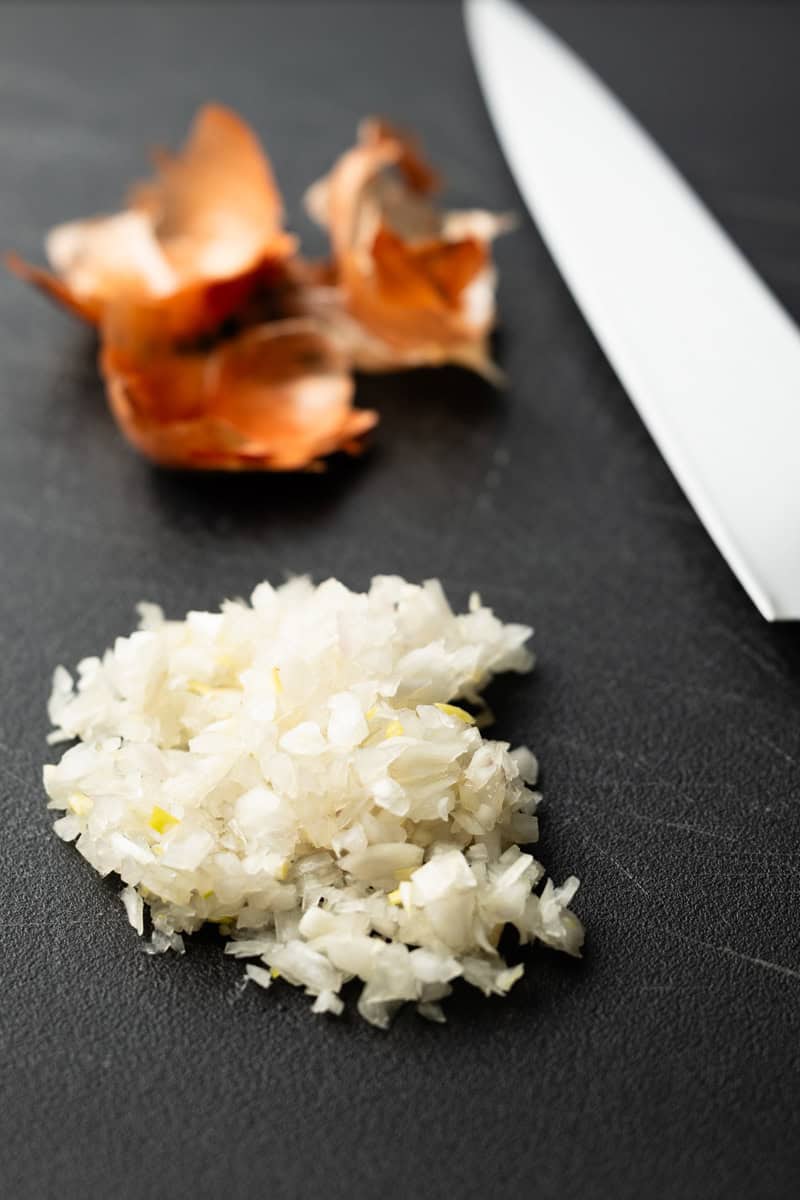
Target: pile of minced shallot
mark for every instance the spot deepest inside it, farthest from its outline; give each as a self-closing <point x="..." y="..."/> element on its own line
<point x="300" y="771"/>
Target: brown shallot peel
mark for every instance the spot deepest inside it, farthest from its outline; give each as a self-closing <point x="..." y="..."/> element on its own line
<point x="209" y="222"/>
<point x="275" y="396"/>
<point x="221" y="348"/>
<point x="412" y="286"/>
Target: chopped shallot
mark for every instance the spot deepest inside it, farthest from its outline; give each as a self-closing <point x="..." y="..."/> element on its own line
<point x="298" y="771"/>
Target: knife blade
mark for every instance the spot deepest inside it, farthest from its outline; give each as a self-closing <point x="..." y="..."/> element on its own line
<point x="704" y="350"/>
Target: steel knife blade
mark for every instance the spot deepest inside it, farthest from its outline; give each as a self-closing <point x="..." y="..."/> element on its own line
<point x="704" y="350"/>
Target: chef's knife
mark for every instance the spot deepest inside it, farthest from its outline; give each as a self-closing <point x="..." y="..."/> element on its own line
<point x="704" y="350"/>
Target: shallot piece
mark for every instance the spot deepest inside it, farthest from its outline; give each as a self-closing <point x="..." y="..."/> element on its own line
<point x="299" y="770"/>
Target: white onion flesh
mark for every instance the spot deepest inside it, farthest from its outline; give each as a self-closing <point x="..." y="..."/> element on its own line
<point x="298" y="770"/>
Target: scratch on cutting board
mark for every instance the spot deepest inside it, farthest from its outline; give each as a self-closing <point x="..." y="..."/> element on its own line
<point x="683" y="826"/>
<point x="750" y="653"/>
<point x="626" y="872"/>
<point x="776" y="749"/>
<point x="656" y="779"/>
<point x="9" y="773"/>
<point x="717" y="694"/>
<point x="588" y="750"/>
<point x="604" y="853"/>
<point x="754" y="960"/>
<point x="641" y="764"/>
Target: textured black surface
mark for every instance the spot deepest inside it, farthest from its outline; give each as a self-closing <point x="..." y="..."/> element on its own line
<point x="664" y="710"/>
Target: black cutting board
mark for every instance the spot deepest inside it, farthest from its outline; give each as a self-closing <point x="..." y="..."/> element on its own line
<point x="664" y="710"/>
